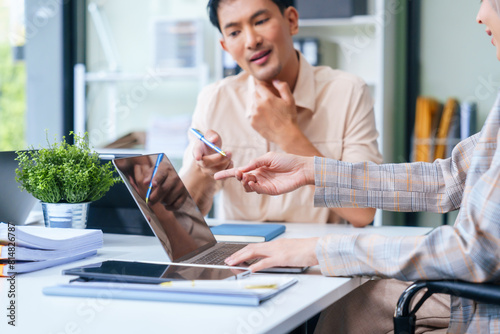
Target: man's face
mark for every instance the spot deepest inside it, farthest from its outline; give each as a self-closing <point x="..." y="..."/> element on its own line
<point x="258" y="36"/>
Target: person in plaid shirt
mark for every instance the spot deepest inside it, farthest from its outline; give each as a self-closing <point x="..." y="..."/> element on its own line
<point x="470" y="250"/>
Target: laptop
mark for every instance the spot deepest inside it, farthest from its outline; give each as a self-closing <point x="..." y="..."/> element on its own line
<point x="177" y="223"/>
<point x="15" y="205"/>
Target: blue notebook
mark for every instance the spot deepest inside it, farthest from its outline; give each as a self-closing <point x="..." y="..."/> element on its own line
<point x="247" y="232"/>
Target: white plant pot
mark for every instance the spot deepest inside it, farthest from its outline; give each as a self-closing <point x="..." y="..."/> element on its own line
<point x="65" y="215"/>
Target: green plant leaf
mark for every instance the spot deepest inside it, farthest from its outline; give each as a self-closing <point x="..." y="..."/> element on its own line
<point x="63" y="172"/>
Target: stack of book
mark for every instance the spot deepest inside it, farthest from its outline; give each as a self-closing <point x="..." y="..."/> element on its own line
<point x="29" y="248"/>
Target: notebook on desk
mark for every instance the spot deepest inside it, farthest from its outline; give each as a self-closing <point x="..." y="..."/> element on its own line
<point x="15" y="205"/>
<point x="180" y="227"/>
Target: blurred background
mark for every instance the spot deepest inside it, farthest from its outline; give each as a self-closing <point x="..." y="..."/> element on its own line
<point x="128" y="72"/>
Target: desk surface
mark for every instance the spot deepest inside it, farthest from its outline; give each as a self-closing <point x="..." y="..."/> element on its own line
<point x="37" y="313"/>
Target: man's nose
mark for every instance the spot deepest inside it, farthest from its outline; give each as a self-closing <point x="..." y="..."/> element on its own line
<point x="252" y="39"/>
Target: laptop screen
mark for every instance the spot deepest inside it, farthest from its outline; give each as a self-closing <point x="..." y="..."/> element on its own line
<point x="177" y="222"/>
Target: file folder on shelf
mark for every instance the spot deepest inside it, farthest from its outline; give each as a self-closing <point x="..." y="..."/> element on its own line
<point x="447" y="117"/>
<point x="468" y="119"/>
<point x="426" y="117"/>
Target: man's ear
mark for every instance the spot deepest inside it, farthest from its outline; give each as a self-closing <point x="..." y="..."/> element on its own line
<point x="292" y="16"/>
<point x="223" y="44"/>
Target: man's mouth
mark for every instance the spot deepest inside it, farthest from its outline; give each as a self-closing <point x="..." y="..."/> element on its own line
<point x="260" y="56"/>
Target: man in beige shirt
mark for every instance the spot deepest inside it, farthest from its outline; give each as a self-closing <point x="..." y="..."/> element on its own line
<point x="279" y="103"/>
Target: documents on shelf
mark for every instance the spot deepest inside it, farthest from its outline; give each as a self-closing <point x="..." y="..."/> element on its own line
<point x="30" y="248"/>
<point x="450" y="109"/>
<point x="468" y="119"/>
<point x="249" y="291"/>
<point x="438" y="132"/>
<point x="247" y="232"/>
<point x="427" y="111"/>
<point x="453" y="137"/>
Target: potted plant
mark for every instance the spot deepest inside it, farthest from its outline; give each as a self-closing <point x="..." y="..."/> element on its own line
<point x="65" y="178"/>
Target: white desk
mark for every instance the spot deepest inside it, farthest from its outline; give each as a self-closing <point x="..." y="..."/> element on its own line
<point x="40" y="314"/>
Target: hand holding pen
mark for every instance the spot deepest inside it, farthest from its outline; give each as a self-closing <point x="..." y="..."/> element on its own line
<point x="208" y="154"/>
<point x="201" y="137"/>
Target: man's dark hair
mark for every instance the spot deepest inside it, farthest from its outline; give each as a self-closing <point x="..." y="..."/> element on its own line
<point x="213" y="6"/>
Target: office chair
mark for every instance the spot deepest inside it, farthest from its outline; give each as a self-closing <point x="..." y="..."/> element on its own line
<point x="404" y="318"/>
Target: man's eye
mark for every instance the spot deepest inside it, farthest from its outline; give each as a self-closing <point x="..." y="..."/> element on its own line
<point x="261" y="21"/>
<point x="233" y="34"/>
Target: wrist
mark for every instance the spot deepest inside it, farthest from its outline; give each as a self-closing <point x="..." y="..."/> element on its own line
<point x="200" y="186"/>
<point x="308" y="170"/>
<point x="297" y="143"/>
<point x="313" y="258"/>
<point x="291" y="139"/>
<point x="197" y="176"/>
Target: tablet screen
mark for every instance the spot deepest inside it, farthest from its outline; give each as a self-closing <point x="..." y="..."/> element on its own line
<point x="143" y="272"/>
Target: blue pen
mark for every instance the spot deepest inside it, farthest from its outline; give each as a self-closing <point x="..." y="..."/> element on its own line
<point x="158" y="160"/>
<point x="200" y="136"/>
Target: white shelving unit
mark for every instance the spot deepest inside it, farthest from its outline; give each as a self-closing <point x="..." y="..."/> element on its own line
<point x="110" y="81"/>
<point x="129" y="83"/>
<point x="83" y="79"/>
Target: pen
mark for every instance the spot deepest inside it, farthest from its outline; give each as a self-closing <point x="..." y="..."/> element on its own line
<point x="158" y="160"/>
<point x="200" y="136"/>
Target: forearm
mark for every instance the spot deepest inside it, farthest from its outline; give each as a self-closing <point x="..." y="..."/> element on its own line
<point x="358" y="217"/>
<point x="438" y="255"/>
<point x="295" y="142"/>
<point x="434" y="187"/>
<point x="201" y="187"/>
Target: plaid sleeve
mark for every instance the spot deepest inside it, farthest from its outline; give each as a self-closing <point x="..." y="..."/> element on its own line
<point x="467" y="251"/>
<point x="435" y="187"/>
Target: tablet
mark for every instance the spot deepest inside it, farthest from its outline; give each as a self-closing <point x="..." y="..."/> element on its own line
<point x="145" y="272"/>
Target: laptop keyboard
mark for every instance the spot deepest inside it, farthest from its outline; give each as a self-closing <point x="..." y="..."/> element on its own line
<point x="218" y="256"/>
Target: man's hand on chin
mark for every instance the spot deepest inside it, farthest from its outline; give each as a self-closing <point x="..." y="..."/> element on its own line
<point x="274" y="117"/>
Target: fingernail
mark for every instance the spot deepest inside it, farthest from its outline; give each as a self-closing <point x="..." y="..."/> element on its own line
<point x="229" y="261"/>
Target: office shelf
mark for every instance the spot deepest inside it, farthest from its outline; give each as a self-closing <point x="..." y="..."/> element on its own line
<point x="340" y="22"/>
<point x="192" y="73"/>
